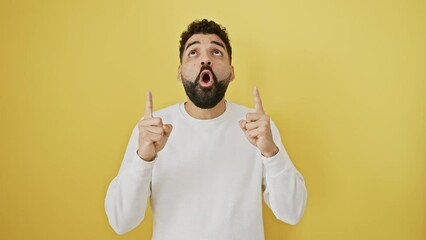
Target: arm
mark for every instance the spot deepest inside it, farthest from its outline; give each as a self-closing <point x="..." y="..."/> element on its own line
<point x="128" y="192"/>
<point x="285" y="192"/>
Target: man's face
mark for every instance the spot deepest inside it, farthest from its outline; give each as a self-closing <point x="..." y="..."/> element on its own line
<point x="205" y="70"/>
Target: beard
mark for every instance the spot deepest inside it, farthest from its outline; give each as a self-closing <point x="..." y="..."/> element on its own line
<point x="206" y="97"/>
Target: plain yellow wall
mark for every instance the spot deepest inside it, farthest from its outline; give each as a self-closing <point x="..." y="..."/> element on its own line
<point x="343" y="80"/>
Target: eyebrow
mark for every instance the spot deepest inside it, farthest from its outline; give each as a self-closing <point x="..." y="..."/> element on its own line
<point x="218" y="43"/>
<point x="213" y="42"/>
<point x="194" y="42"/>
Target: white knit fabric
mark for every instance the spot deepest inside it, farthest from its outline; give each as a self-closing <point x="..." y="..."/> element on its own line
<point x="207" y="182"/>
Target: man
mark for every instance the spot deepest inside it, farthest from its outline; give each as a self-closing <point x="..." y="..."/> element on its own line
<point x="204" y="163"/>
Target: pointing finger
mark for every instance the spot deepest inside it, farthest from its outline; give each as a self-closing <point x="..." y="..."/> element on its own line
<point x="148" y="105"/>
<point x="258" y="101"/>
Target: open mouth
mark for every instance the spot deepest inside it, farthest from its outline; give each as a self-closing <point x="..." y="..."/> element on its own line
<point x="206" y="78"/>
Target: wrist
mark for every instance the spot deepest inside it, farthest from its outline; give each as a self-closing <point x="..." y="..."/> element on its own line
<point x="147" y="158"/>
<point x="271" y="153"/>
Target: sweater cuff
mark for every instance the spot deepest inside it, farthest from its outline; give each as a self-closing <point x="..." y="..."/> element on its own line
<point x="276" y="164"/>
<point x="138" y="168"/>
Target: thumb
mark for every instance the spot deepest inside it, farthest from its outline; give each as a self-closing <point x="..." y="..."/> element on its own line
<point x="243" y="124"/>
<point x="167" y="129"/>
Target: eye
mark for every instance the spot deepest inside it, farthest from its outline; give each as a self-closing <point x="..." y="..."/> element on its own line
<point x="192" y="53"/>
<point x="217" y="53"/>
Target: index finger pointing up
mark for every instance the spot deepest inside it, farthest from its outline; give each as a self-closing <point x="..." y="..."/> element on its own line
<point x="148" y="105"/>
<point x="258" y="101"/>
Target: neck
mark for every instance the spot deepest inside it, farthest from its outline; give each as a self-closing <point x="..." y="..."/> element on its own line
<point x="200" y="113"/>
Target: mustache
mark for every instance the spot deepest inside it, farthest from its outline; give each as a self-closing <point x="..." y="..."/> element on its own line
<point x="206" y="67"/>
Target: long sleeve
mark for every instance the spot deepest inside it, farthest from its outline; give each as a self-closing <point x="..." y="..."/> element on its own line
<point x="127" y="194"/>
<point x="285" y="192"/>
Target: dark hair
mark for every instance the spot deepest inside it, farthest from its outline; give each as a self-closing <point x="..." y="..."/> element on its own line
<point x="205" y="27"/>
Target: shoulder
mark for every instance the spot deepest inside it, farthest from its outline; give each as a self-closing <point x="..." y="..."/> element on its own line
<point x="235" y="107"/>
<point x="169" y="112"/>
<point x="239" y="110"/>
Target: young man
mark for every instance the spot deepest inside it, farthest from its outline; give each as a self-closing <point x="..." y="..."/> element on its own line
<point x="205" y="163"/>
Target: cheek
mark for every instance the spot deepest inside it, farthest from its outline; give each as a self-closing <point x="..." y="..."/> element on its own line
<point x="223" y="72"/>
<point x="190" y="72"/>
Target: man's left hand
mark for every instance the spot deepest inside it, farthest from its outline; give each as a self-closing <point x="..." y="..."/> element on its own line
<point x="257" y="128"/>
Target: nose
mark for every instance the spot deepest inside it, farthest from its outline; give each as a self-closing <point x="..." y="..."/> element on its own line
<point x="207" y="62"/>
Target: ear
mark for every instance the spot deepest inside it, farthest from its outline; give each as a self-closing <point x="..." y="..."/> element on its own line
<point x="179" y="73"/>
<point x="232" y="75"/>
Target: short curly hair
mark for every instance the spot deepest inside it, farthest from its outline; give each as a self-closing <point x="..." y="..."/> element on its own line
<point x="205" y="27"/>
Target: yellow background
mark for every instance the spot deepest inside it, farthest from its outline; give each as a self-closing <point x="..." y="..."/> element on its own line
<point x="343" y="80"/>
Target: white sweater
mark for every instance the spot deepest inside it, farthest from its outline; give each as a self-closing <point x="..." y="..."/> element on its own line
<point x="207" y="182"/>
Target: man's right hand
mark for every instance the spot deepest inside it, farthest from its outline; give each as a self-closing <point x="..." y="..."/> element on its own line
<point x="153" y="134"/>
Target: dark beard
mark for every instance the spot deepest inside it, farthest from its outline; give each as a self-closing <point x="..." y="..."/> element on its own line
<point x="206" y="98"/>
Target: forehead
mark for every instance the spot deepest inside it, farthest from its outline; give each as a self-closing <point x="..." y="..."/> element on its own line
<point x="204" y="39"/>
